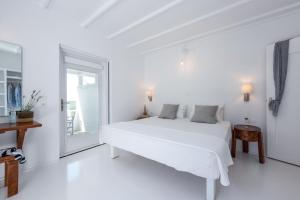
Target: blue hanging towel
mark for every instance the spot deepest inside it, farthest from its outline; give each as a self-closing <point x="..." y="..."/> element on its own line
<point x="11" y="101"/>
<point x="18" y="96"/>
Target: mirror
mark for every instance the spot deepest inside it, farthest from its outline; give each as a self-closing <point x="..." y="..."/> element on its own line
<point x="10" y="78"/>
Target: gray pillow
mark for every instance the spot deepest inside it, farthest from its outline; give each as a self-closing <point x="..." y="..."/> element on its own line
<point x="169" y="111"/>
<point x="205" y="114"/>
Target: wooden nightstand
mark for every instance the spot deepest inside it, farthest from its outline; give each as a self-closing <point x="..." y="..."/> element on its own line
<point x="143" y="117"/>
<point x="248" y="133"/>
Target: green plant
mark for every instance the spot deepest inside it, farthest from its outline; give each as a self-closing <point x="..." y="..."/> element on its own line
<point x="29" y="104"/>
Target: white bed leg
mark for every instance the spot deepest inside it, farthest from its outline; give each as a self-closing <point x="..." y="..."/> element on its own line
<point x="113" y="152"/>
<point x="210" y="189"/>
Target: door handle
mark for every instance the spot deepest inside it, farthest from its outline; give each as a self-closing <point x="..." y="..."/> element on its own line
<point x="270" y="99"/>
<point x="62" y="104"/>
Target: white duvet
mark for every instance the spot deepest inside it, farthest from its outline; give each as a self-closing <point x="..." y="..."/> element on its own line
<point x="198" y="148"/>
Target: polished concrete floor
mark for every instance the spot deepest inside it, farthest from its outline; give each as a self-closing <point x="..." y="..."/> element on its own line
<point x="80" y="139"/>
<point x="92" y="175"/>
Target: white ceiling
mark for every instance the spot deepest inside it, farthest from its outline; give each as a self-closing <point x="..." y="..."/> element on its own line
<point x="148" y="25"/>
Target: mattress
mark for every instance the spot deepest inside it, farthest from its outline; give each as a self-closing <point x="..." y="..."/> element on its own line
<point x="197" y="148"/>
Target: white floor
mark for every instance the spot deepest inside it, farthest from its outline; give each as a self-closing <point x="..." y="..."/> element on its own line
<point x="80" y="140"/>
<point x="92" y="175"/>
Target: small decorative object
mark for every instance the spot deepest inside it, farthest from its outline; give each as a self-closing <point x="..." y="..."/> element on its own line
<point x="145" y="113"/>
<point x="26" y="113"/>
<point x="247" y="88"/>
<point x="12" y="117"/>
<point x="246" y="120"/>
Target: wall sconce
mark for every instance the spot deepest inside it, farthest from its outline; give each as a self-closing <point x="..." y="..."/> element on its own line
<point x="183" y="57"/>
<point x="149" y="94"/>
<point x="247" y="89"/>
<point x="181" y="62"/>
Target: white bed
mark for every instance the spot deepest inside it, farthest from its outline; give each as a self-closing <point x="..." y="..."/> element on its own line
<point x="197" y="148"/>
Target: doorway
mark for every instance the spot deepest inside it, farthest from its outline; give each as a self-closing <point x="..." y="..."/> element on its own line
<point x="283" y="133"/>
<point x="84" y="100"/>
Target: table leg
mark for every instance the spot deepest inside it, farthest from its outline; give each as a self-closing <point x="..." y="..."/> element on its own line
<point x="20" y="138"/>
<point x="233" y="144"/>
<point x="261" y="149"/>
<point x="245" y="146"/>
<point x="12" y="173"/>
<point x="6" y="174"/>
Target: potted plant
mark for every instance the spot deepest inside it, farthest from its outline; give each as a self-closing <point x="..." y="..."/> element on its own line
<point x="26" y="113"/>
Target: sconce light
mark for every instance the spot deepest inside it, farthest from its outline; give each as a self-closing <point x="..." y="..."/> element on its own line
<point x="183" y="56"/>
<point x="247" y="89"/>
<point x="149" y="94"/>
<point x="181" y="62"/>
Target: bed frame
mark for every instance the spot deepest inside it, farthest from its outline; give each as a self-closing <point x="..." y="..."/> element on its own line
<point x="210" y="183"/>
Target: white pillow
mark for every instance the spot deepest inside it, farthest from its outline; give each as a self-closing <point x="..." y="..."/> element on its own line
<point x="219" y="114"/>
<point x="181" y="112"/>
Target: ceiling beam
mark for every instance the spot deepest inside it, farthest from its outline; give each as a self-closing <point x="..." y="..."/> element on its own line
<point x="45" y="3"/>
<point x="99" y="12"/>
<point x="144" y="19"/>
<point x="191" y="22"/>
<point x="228" y="27"/>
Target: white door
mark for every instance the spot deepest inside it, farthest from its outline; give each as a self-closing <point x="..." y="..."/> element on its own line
<point x="283" y="132"/>
<point x="84" y="103"/>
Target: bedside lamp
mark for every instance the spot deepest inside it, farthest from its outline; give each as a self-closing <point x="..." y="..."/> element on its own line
<point x="247" y="89"/>
<point x="149" y="94"/>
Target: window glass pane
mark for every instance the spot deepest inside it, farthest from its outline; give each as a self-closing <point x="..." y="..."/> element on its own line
<point x="88" y="80"/>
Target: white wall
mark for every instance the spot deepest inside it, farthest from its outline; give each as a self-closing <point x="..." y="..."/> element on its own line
<point x="39" y="32"/>
<point x="217" y="66"/>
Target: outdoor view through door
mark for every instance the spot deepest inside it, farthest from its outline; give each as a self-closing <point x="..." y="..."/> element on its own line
<point x="82" y="122"/>
<point x="84" y="100"/>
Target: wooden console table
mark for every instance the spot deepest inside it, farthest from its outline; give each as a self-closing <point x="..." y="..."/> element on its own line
<point x="21" y="128"/>
<point x="11" y="164"/>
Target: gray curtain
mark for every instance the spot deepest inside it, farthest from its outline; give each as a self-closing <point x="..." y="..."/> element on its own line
<point x="280" y="66"/>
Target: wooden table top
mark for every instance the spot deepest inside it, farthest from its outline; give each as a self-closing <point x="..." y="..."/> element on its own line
<point x="19" y="125"/>
<point x="244" y="127"/>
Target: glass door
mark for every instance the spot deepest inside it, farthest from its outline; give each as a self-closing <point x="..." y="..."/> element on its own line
<point x="82" y="108"/>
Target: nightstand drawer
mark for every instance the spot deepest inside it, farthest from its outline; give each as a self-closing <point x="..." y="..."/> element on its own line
<point x="247" y="136"/>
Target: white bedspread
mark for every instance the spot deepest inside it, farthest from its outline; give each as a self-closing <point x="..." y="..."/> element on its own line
<point x="201" y="149"/>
